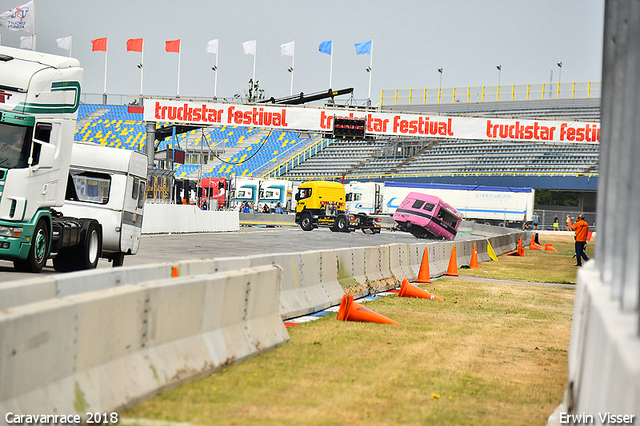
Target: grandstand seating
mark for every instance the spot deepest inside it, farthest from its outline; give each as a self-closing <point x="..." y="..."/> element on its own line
<point x="249" y="151"/>
<point x="253" y="150"/>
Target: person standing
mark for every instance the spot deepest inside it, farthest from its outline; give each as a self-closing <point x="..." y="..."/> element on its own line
<point x="535" y="221"/>
<point x="556" y="223"/>
<point x="569" y="228"/>
<point x="582" y="231"/>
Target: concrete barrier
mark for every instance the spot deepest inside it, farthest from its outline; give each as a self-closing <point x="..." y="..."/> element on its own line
<point x="377" y="270"/>
<point x="178" y="218"/>
<point x="399" y="262"/>
<point x="351" y="265"/>
<point x="105" y="350"/>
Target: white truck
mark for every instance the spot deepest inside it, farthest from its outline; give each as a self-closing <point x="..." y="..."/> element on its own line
<point x="39" y="99"/>
<point x="274" y="191"/>
<point x="244" y="190"/>
<point x="500" y="206"/>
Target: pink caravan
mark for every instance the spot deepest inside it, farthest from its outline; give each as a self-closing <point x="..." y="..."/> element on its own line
<point x="426" y="216"/>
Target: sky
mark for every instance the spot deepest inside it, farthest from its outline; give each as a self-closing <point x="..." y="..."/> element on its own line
<point x="412" y="39"/>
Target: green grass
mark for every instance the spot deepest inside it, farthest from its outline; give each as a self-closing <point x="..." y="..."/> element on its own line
<point x="489" y="354"/>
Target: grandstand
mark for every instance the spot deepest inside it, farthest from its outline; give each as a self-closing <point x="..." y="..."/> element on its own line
<point x="257" y="152"/>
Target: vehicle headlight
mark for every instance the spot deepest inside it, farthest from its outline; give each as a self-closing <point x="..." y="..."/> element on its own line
<point x="9" y="231"/>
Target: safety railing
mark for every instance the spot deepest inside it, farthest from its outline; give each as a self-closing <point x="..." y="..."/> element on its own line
<point x="289" y="164"/>
<point x="514" y="92"/>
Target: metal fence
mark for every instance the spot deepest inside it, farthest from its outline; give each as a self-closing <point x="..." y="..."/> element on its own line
<point x="514" y="92"/>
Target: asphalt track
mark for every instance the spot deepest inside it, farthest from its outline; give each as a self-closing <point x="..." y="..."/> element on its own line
<point x="246" y="241"/>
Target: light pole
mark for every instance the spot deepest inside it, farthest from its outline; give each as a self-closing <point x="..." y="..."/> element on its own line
<point x="559" y="77"/>
<point x="440" y="89"/>
<point x="499" y="67"/>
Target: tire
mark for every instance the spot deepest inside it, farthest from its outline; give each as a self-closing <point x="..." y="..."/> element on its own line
<point x="39" y="251"/>
<point x="63" y="262"/>
<point x="117" y="259"/>
<point x="91" y="248"/>
<point x="376" y="230"/>
<point x="306" y="222"/>
<point x="341" y="224"/>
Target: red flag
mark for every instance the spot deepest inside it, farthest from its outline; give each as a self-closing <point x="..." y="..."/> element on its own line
<point x="173" y="46"/>
<point x="134" y="45"/>
<point x="99" y="44"/>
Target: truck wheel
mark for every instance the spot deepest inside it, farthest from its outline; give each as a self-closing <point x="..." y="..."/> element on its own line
<point x="63" y="262"/>
<point x="341" y="224"/>
<point x="91" y="248"/>
<point x="306" y="222"/>
<point x="117" y="259"/>
<point x="38" y="252"/>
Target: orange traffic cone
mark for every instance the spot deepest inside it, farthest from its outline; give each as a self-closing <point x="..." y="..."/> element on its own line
<point x="519" y="250"/>
<point x="452" y="270"/>
<point x="474" y="258"/>
<point x="533" y="245"/>
<point x="352" y="311"/>
<point x="424" y="276"/>
<point x="549" y="247"/>
<point x="410" y="290"/>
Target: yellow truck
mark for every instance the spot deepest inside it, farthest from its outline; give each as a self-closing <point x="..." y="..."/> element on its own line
<point x="322" y="203"/>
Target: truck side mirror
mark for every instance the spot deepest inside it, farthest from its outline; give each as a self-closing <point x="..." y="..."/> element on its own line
<point x="47" y="153"/>
<point x="297" y="197"/>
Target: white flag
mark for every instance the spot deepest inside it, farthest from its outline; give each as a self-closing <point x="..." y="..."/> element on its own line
<point x="64" y="42"/>
<point x="287" y="49"/>
<point x="26" y="42"/>
<point x="249" y="47"/>
<point x="212" y="47"/>
<point x="19" y="18"/>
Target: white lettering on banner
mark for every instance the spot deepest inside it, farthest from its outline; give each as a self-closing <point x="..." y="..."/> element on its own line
<point x="377" y="123"/>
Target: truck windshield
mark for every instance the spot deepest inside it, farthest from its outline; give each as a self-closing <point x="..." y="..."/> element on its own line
<point x="14" y="146"/>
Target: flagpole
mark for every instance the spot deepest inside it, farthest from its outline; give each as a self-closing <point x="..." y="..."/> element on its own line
<point x="104" y="92"/>
<point x="215" y="84"/>
<point x="293" y="57"/>
<point x="33" y="39"/>
<point x="331" y="67"/>
<point x="370" y="70"/>
<point x="255" y="53"/>
<point x="141" y="67"/>
<point x="70" y="42"/>
<point x="179" y="55"/>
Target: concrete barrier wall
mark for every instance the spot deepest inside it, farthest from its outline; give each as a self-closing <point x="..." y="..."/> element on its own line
<point x="604" y="366"/>
<point x="177" y="218"/>
<point x="379" y="268"/>
<point x="107" y="349"/>
<point x="400" y="262"/>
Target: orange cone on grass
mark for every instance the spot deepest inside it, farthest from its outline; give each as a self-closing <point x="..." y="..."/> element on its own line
<point x="452" y="270"/>
<point x="424" y="276"/>
<point x="549" y="247"/>
<point x="519" y="250"/>
<point x="533" y="245"/>
<point x="352" y="311"/>
<point x="474" y="258"/>
<point x="409" y="290"/>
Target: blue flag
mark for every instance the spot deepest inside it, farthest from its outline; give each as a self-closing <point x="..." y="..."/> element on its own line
<point x="325" y="47"/>
<point x="362" y="48"/>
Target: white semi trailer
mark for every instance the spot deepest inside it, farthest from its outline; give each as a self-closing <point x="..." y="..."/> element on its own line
<point x="39" y="99"/>
<point x="501" y="206"/>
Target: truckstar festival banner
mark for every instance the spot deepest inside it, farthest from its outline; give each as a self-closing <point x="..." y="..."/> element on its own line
<point x="377" y="123"/>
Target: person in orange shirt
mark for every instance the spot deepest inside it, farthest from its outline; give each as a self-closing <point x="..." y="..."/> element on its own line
<point x="582" y="230"/>
<point x="569" y="223"/>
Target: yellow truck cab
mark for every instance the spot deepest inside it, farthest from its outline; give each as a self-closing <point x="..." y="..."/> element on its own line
<point x="322" y="203"/>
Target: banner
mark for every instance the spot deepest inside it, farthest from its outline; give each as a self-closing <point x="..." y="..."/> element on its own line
<point x="377" y="123"/>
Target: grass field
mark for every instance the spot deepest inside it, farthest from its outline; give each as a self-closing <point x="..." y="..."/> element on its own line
<point x="490" y="354"/>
